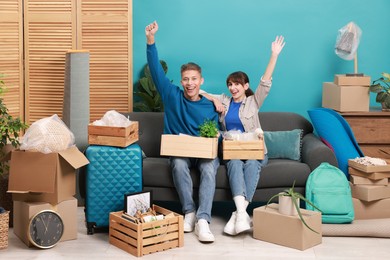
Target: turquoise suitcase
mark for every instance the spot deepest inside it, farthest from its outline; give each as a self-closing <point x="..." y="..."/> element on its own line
<point x="111" y="173"/>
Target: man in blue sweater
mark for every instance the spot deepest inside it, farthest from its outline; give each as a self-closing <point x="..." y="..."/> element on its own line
<point x="184" y="111"/>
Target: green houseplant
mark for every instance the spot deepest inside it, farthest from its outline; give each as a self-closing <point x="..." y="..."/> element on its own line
<point x="10" y="128"/>
<point x="381" y="86"/>
<point x="208" y="129"/>
<point x="295" y="197"/>
<point x="150" y="99"/>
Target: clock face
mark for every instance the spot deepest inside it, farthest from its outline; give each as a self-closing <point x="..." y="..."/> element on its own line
<point x="46" y="229"/>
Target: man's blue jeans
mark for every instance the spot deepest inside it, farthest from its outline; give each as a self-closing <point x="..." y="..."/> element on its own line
<point x="244" y="176"/>
<point x="183" y="183"/>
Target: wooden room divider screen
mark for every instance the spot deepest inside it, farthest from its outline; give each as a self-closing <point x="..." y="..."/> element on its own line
<point x="34" y="38"/>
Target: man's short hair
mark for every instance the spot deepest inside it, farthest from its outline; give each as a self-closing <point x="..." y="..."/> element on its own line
<point x="191" y="66"/>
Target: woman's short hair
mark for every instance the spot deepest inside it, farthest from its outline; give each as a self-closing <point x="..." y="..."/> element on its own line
<point x="239" y="77"/>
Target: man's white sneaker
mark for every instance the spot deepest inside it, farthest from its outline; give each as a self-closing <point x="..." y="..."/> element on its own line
<point x="243" y="221"/>
<point x="203" y="232"/>
<point x="189" y="222"/>
<point x="230" y="227"/>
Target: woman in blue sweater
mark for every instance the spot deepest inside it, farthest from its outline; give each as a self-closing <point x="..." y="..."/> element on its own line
<point x="240" y="112"/>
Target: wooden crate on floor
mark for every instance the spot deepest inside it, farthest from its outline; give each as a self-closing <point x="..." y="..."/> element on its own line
<point x="113" y="136"/>
<point x="243" y="150"/>
<point x="140" y="239"/>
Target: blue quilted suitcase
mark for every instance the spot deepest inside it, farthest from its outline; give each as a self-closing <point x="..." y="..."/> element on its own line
<point x="111" y="172"/>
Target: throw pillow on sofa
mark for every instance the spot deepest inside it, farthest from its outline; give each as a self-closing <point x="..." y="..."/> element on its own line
<point x="284" y="144"/>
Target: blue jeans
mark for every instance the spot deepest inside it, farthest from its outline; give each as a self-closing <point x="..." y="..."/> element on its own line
<point x="183" y="183"/>
<point x="244" y="176"/>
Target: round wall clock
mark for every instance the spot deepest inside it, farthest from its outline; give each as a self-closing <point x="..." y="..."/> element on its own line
<point x="45" y="229"/>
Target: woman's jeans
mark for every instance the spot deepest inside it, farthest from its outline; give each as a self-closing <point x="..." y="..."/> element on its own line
<point x="244" y="176"/>
<point x="183" y="183"/>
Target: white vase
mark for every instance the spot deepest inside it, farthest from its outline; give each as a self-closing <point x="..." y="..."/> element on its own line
<point x="286" y="206"/>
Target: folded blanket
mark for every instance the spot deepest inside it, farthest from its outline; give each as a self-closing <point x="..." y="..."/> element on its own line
<point x="359" y="228"/>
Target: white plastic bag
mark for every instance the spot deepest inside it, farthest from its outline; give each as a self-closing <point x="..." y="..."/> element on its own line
<point x="113" y="118"/>
<point x="48" y="135"/>
<point x="237" y="135"/>
<point x="347" y="41"/>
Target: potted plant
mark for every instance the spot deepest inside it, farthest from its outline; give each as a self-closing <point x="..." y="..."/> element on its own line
<point x="147" y="92"/>
<point x="381" y="86"/>
<point x="293" y="197"/>
<point x="208" y="129"/>
<point x="10" y="128"/>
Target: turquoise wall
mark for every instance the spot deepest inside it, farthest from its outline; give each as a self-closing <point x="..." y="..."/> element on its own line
<point x="229" y="35"/>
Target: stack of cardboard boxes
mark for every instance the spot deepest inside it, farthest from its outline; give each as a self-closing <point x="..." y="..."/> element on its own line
<point x="370" y="190"/>
<point x="347" y="93"/>
<point x="41" y="181"/>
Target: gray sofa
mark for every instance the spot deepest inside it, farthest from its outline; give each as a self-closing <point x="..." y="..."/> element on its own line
<point x="278" y="175"/>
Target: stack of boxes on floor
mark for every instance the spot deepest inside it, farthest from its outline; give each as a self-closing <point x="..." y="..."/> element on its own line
<point x="40" y="182"/>
<point x="347" y="93"/>
<point x="370" y="190"/>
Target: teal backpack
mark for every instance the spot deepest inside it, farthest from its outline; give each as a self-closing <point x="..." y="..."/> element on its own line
<point x="328" y="188"/>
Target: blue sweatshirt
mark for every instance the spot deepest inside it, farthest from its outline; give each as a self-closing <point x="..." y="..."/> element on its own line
<point x="181" y="115"/>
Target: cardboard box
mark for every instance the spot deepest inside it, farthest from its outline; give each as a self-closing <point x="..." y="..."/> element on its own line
<point x="271" y="226"/>
<point x="113" y="136"/>
<point x="243" y="149"/>
<point x="39" y="177"/>
<point x="189" y="146"/>
<point x="370" y="192"/>
<point x="369" y="175"/>
<point x="357" y="180"/>
<point x="24" y="211"/>
<point x="371" y="209"/>
<point x="344" y="80"/>
<point x="370" y="168"/>
<point x="140" y="239"/>
<point x="345" y="98"/>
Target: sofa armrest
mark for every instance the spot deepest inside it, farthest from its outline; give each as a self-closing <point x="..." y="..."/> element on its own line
<point x="314" y="152"/>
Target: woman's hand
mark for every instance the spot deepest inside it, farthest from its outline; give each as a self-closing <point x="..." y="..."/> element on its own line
<point x="277" y="45"/>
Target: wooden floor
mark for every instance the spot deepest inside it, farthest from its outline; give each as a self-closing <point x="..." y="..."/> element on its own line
<point x="240" y="247"/>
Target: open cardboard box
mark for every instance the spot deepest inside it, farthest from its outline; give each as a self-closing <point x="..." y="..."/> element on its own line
<point x="39" y="177"/>
<point x="24" y="211"/>
<point x="370" y="168"/>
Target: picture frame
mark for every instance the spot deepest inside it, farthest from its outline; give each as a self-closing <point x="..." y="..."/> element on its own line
<point x="137" y="201"/>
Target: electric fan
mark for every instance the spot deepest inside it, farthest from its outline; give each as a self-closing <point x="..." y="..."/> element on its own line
<point x="347" y="43"/>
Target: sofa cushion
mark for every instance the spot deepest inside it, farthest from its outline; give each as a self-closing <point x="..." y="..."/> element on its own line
<point x="284" y="144"/>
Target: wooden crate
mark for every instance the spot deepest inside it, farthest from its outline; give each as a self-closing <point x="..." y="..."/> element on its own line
<point x="140" y="239"/>
<point x="189" y="146"/>
<point x="113" y="136"/>
<point x="243" y="150"/>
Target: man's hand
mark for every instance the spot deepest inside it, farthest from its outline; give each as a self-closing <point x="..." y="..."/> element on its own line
<point x="150" y="31"/>
<point x="218" y="106"/>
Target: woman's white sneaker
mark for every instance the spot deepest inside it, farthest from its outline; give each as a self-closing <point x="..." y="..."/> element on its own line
<point x="230" y="227"/>
<point x="243" y="222"/>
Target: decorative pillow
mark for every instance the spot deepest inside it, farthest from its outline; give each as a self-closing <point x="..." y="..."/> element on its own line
<point x="284" y="144"/>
